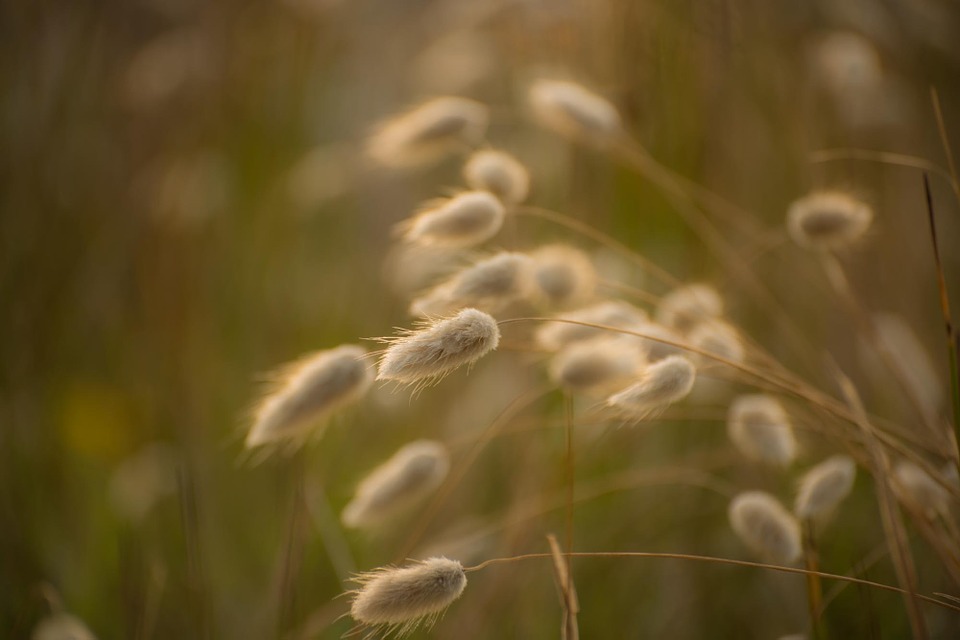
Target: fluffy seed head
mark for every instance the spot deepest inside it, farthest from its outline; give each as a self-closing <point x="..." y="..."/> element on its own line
<point x="765" y="526"/>
<point x="490" y="284"/>
<point x="432" y="352"/>
<point x="555" y="335"/>
<point x="597" y="366"/>
<point x="403" y="598"/>
<point x="573" y="111"/>
<point x="826" y="220"/>
<point x="915" y="486"/>
<point x="909" y="355"/>
<point x="307" y="392"/>
<point x="499" y="173"/>
<point x="428" y="132"/>
<point x="662" y="383"/>
<point x="654" y="349"/>
<point x="719" y="338"/>
<point x="410" y="474"/>
<point x="686" y="306"/>
<point x="823" y="487"/>
<point x="62" y="626"/>
<point x="462" y="221"/>
<point x="564" y="276"/>
<point x="759" y="427"/>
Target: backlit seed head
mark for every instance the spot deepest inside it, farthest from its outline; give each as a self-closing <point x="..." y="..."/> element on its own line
<point x="400" y="599"/>
<point x="661" y="384"/>
<point x="759" y="427"/>
<point x="462" y="221"/>
<point x="597" y="366"/>
<point x="571" y="110"/>
<point x="410" y="474"/>
<point x="61" y="626"/>
<point x="826" y="220"/>
<point x="428" y="354"/>
<point x="499" y="173"/>
<point x="766" y="527"/>
<point x="307" y="392"/>
<point x="555" y="335"/>
<point x="655" y="349"/>
<point x="824" y="486"/>
<point x="685" y="307"/>
<point x="490" y="285"/>
<point x="915" y="486"/>
<point x="563" y="276"/>
<point x="719" y="338"/>
<point x="428" y="132"/>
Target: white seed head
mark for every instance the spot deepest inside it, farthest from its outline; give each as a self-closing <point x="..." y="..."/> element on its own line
<point x="686" y="306"/>
<point x="911" y="358"/>
<point x="564" y="276"/>
<point x="662" y="383"/>
<point x="428" y="132"/>
<point x="571" y="110"/>
<point x="556" y="335"/>
<point x="489" y="284"/>
<point x="759" y="427"/>
<point x="307" y="392"/>
<point x="432" y="352"/>
<point x="655" y="349"/>
<point x="410" y="474"/>
<point x="597" y="366"/>
<point x="824" y="486"/>
<point x="403" y="598"/>
<point x="499" y="173"/>
<point x="916" y="487"/>
<point x="719" y="338"/>
<point x="462" y="221"/>
<point x="766" y="527"/>
<point x="61" y="626"/>
<point x="826" y="220"/>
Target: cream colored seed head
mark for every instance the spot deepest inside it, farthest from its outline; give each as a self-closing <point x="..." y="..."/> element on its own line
<point x="759" y="427"/>
<point x="428" y="132"/>
<point x="564" y="276"/>
<point x="655" y="349"/>
<point x="824" y="486"/>
<point x="403" y="598"/>
<point x="827" y="220"/>
<point x="490" y="284"/>
<point x="719" y="338"/>
<point x="410" y="474"/>
<point x="916" y="487"/>
<point x="766" y="527"/>
<point x="462" y="221"/>
<point x="499" y="173"/>
<point x="686" y="306"/>
<point x="571" y="110"/>
<point x="61" y="626"/>
<point x="661" y="384"/>
<point x="597" y="366"/>
<point x="555" y="335"/>
<point x="423" y="356"/>
<point x="308" y="392"/>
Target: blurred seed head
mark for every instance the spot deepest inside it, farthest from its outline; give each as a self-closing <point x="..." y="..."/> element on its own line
<point x="909" y="355"/>
<point x="766" y="527"/>
<point x="597" y="366"/>
<point x="143" y="479"/>
<point x="489" y="285"/>
<point x="499" y="173"/>
<point x="719" y="338"/>
<point x="575" y="112"/>
<point x="824" y="486"/>
<point x="759" y="427"/>
<point x="61" y="626"/>
<point x="462" y="221"/>
<point x="661" y="384"/>
<point x="916" y="487"/>
<point x="614" y="313"/>
<point x="828" y="220"/>
<point x="427" y="355"/>
<point x="564" y="276"/>
<point x="687" y="306"/>
<point x="429" y="132"/>
<point x="309" y="391"/>
<point x="403" y="598"/>
<point x="410" y="474"/>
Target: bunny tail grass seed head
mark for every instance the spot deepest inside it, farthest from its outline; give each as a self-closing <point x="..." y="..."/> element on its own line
<point x="572" y="111"/>
<point x="420" y="357"/>
<point x="563" y="276"/>
<point x="827" y="220"/>
<point x="662" y="383"/>
<point x="308" y="392"/>
<point x="766" y="527"/>
<point x="759" y="427"/>
<point x="685" y="307"/>
<point x="428" y="132"/>
<point x="489" y="284"/>
<point x="823" y="487"/>
<point x="410" y="474"/>
<point x="914" y="486"/>
<point x="462" y="221"/>
<point x="597" y="366"/>
<point x="402" y="598"/>
<point x="61" y="626"/>
<point x="499" y="173"/>
<point x="719" y="338"/>
<point x="556" y="335"/>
